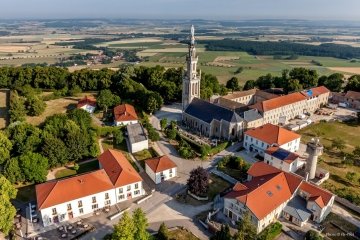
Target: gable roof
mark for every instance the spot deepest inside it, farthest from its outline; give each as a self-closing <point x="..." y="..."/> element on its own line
<point x="67" y="189"/>
<point x="278" y="102"/>
<point x="86" y="101"/>
<point x="272" y="134"/>
<point x="281" y="154"/>
<point x="269" y="184"/>
<point x="317" y="194"/>
<point x="159" y="164"/>
<point x="207" y="111"/>
<point x="124" y="112"/>
<point x="229" y="104"/>
<point x="118" y="168"/>
<point x="316" y="91"/>
<point x="353" y="95"/>
<point x="238" y="94"/>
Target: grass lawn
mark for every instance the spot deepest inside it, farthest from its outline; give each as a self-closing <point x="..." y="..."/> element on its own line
<point x="333" y="229"/>
<point x="216" y="186"/>
<point x="331" y="159"/>
<point x="83" y="168"/>
<point x="143" y="155"/>
<point x="182" y="234"/>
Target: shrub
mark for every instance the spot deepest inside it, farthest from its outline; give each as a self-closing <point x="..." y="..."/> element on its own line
<point x="270" y="232"/>
<point x="312" y="235"/>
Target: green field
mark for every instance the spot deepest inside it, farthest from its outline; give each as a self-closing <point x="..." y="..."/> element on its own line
<point x="83" y="168"/>
<point x="331" y="160"/>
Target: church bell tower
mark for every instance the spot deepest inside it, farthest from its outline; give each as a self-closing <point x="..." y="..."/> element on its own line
<point x="191" y="79"/>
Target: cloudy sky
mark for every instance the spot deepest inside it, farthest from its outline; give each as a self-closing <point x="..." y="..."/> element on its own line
<point x="178" y="9"/>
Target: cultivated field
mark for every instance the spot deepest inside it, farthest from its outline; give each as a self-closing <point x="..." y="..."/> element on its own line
<point x="349" y="70"/>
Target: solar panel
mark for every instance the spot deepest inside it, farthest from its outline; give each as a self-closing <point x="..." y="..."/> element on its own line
<point x="281" y="154"/>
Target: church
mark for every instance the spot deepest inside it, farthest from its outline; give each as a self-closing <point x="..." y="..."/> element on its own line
<point x="205" y="118"/>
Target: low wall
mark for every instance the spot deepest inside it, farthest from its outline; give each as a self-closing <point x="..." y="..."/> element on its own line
<point x="116" y="215"/>
<point x="347" y="204"/>
<point x="197" y="197"/>
<point x="144" y="199"/>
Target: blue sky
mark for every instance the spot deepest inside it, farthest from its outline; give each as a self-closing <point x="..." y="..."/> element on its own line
<point x="188" y="9"/>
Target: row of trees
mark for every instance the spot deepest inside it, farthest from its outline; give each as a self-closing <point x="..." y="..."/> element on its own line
<point x="27" y="151"/>
<point x="298" y="79"/>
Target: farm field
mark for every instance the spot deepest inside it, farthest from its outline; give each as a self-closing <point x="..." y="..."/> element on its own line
<point x="331" y="160"/>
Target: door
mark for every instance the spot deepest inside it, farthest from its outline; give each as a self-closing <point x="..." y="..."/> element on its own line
<point x="70" y="215"/>
<point x="129" y="196"/>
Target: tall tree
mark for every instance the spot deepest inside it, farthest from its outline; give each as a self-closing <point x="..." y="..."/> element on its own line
<point x="246" y="228"/>
<point x="124" y="229"/>
<point x="233" y="84"/>
<point x="24" y="137"/>
<point x="250" y="84"/>
<point x="5" y="147"/>
<point x="81" y="117"/>
<point x="198" y="182"/>
<point x="17" y="110"/>
<point x="353" y="84"/>
<point x="55" y="150"/>
<point x="7" y="210"/>
<point x="163" y="232"/>
<point x="34" y="166"/>
<point x="107" y="99"/>
<point x="35" y="105"/>
<point x="307" y="77"/>
<point x="12" y="171"/>
<point x="140" y="224"/>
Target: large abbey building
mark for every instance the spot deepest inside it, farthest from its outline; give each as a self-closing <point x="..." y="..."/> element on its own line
<point x="228" y="116"/>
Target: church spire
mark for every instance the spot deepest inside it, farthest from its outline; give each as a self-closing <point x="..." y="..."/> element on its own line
<point x="192" y="42"/>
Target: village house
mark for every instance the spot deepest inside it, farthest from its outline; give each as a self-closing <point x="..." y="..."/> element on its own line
<point x="282" y="194"/>
<point x="350" y="99"/>
<point x="138" y="140"/>
<point x="124" y="114"/>
<point x="160" y="169"/>
<point x="87" y="103"/>
<point x="63" y="199"/>
<point x="259" y="139"/>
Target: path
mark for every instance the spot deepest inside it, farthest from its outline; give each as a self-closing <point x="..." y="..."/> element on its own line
<point x="345" y="214"/>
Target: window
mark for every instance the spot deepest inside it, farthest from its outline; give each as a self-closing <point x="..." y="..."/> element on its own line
<point x="107" y="202"/>
<point x="245" y="144"/>
<point x="269" y="193"/>
<point x="170" y="175"/>
<point x="80" y="203"/>
<point x="137" y="192"/>
<point x="94" y="206"/>
<point x="136" y="185"/>
<point x="129" y="187"/>
<point x="106" y="195"/>
<point x="54" y="212"/>
<point x="170" y="171"/>
<point x="262" y="144"/>
<point x="69" y="206"/>
<point x="121" y="196"/>
<point x="94" y="199"/>
<point x="120" y="190"/>
<point x="81" y="211"/>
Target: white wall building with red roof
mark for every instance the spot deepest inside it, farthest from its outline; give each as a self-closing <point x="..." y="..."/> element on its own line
<point x="88" y="104"/>
<point x="257" y="140"/>
<point x="283" y="159"/>
<point x="124" y="114"/>
<point x="270" y="193"/>
<point x="160" y="169"/>
<point x="63" y="199"/>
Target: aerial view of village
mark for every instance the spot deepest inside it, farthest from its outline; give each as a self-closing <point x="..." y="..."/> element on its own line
<point x="179" y="120"/>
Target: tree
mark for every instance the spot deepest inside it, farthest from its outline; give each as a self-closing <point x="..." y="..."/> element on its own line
<point x="163" y="232"/>
<point x="5" y="147"/>
<point x="250" y="84"/>
<point x="334" y="82"/>
<point x="163" y="123"/>
<point x="233" y="84"/>
<point x="34" y="166"/>
<point x="80" y="117"/>
<point x="307" y="77"/>
<point x="55" y="150"/>
<point x="171" y="133"/>
<point x="35" y="105"/>
<point x="246" y="228"/>
<point x="107" y="99"/>
<point x="198" y="182"/>
<point x="223" y="234"/>
<point x="7" y="210"/>
<point x="353" y="84"/>
<point x="17" y="110"/>
<point x="76" y="167"/>
<point x="312" y="235"/>
<point x="293" y="85"/>
<point x="140" y="224"/>
<point x="124" y="229"/>
<point x="338" y="143"/>
<point x="118" y="136"/>
<point x="12" y="171"/>
<point x="24" y="138"/>
<point x="265" y="82"/>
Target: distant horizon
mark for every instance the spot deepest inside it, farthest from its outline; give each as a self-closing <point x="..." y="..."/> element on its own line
<point x="314" y="10"/>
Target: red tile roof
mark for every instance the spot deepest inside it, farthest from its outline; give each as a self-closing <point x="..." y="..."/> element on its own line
<point x="64" y="190"/>
<point x="268" y="185"/>
<point x="278" y="102"/>
<point x="118" y="168"/>
<point x="317" y="194"/>
<point x="125" y="112"/>
<point x="159" y="164"/>
<point x="272" y="134"/>
<point x="86" y="101"/>
<point x="316" y="91"/>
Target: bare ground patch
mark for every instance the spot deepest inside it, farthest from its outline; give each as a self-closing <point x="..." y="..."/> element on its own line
<point x="354" y="70"/>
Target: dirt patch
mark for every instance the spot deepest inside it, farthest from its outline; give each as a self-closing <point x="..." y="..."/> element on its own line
<point x="354" y="70"/>
<point x="13" y="48"/>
